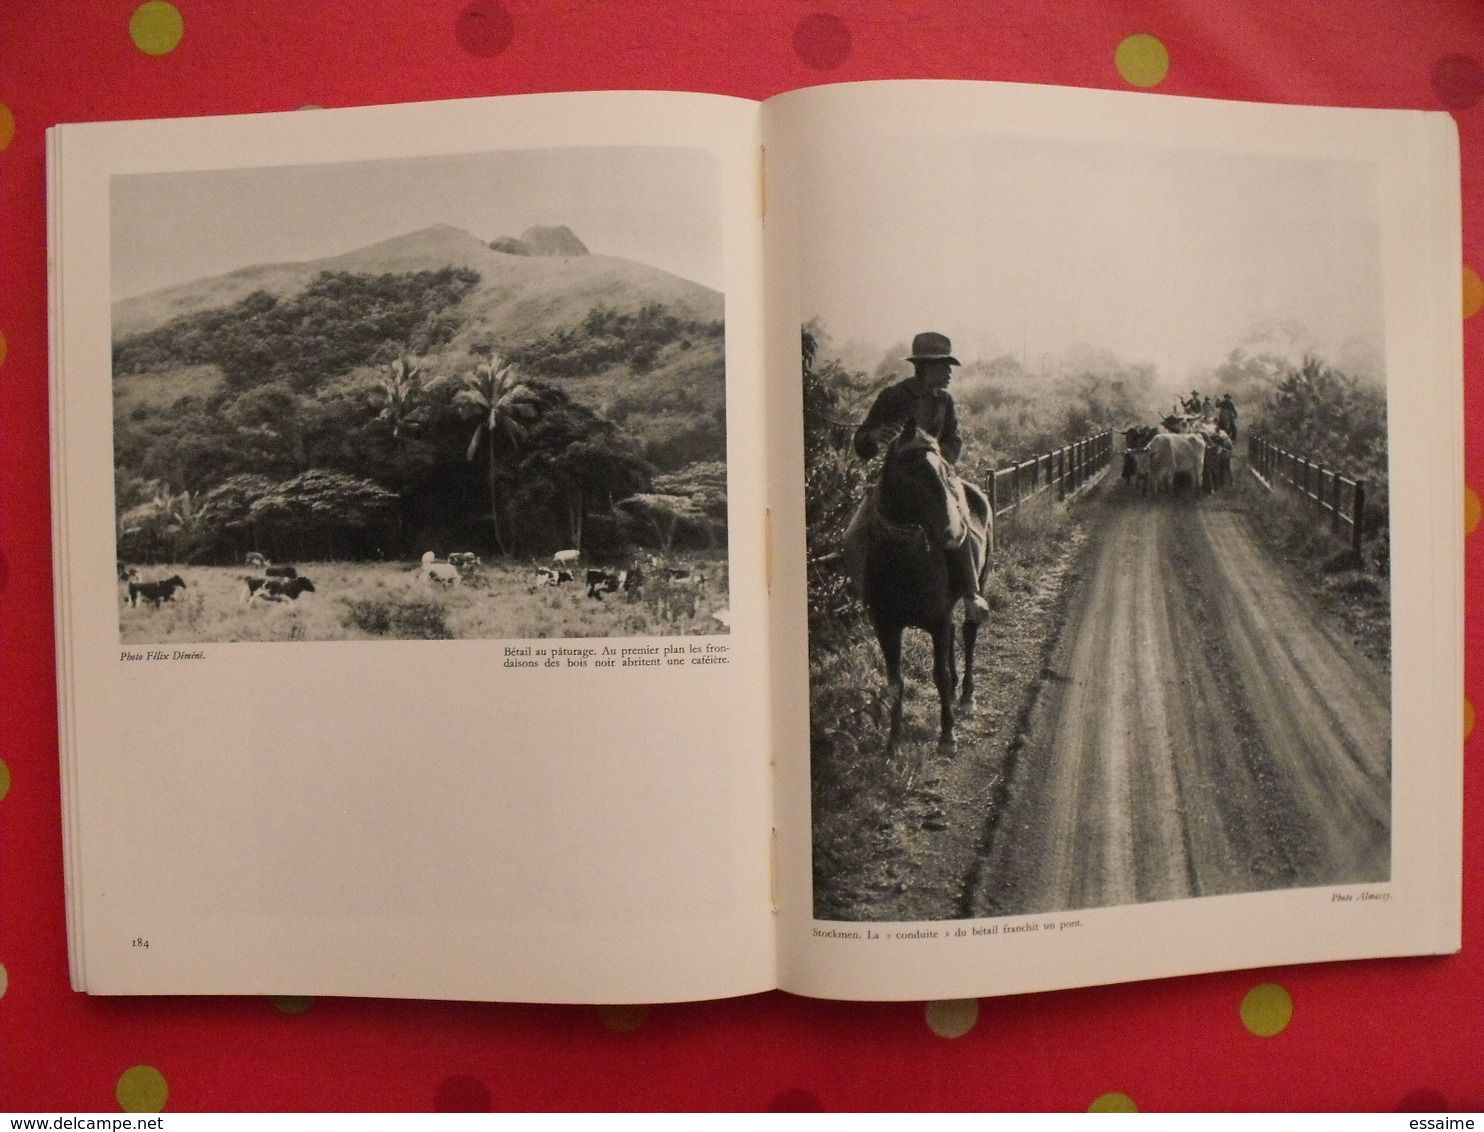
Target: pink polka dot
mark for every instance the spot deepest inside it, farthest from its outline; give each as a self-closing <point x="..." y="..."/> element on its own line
<point x="822" y="41"/>
<point x="462" y="1094"/>
<point x="484" y="28"/>
<point x="1423" y="1100"/>
<point x="795" y="1100"/>
<point x="1458" y="81"/>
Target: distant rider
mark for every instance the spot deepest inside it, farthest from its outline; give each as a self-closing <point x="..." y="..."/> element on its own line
<point x="1226" y="415"/>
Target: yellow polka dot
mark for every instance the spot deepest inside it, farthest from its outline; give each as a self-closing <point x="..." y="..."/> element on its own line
<point x="1267" y="1009"/>
<point x="7" y="126"/>
<point x="1142" y="60"/>
<point x="4" y="779"/>
<point x="623" y="1019"/>
<point x="1113" y="1102"/>
<point x="4" y="980"/>
<point x="953" y="1017"/>
<point x="142" y="1089"/>
<point x="156" y="27"/>
<point x="1468" y="719"/>
<point x="1470" y="510"/>
<point x="291" y="1003"/>
<point x="1473" y="292"/>
<point x="4" y="348"/>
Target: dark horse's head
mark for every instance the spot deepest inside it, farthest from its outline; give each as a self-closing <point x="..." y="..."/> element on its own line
<point x="917" y="488"/>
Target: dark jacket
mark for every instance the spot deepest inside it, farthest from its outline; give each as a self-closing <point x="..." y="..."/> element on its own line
<point x="910" y="399"/>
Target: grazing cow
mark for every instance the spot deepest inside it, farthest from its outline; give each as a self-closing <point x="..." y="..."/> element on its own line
<point x="127" y="573"/>
<point x="683" y="576"/>
<point x="566" y="558"/>
<point x="277" y="589"/>
<point x="156" y="592"/>
<point x="600" y="582"/>
<point x="464" y="560"/>
<point x="1176" y="456"/>
<point x="280" y="572"/>
<point x="255" y="559"/>
<point x="440" y="572"/>
<point x="546" y="576"/>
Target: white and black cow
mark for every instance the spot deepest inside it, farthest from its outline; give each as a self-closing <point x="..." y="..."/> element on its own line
<point x="275" y="589"/>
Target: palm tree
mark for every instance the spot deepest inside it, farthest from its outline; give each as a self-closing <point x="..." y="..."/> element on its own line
<point x="502" y="404"/>
<point x="400" y="408"/>
<point x="400" y="389"/>
<point x="163" y="525"/>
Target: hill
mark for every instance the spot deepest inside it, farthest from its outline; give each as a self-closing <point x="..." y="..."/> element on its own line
<point x="523" y="295"/>
<point x="253" y="405"/>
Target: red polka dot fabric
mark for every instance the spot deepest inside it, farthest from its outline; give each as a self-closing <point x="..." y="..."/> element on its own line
<point x="1400" y="1035"/>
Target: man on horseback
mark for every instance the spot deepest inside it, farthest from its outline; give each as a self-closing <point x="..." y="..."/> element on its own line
<point x="1226" y="415"/>
<point x="923" y="398"/>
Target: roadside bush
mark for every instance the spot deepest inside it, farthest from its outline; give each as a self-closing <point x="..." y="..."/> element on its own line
<point x="404" y="618"/>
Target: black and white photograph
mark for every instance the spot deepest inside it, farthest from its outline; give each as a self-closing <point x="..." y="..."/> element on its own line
<point x="480" y="396"/>
<point x="1098" y="544"/>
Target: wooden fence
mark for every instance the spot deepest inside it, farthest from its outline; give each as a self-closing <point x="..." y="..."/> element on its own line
<point x="1332" y="495"/>
<point x="1063" y="469"/>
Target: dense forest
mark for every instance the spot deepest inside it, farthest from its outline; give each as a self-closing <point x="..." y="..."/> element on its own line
<point x="339" y="423"/>
<point x="340" y="321"/>
<point x="1339" y="420"/>
<point x="1328" y="416"/>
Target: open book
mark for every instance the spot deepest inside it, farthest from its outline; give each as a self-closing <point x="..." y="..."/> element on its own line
<point x="514" y="502"/>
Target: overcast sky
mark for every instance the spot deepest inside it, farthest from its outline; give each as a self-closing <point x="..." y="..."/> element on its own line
<point x="1031" y="247"/>
<point x="658" y="206"/>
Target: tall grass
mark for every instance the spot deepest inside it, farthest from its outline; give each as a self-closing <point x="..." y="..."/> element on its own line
<point x="380" y="601"/>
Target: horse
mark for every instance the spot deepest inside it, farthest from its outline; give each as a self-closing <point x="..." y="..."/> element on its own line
<point x="1226" y="419"/>
<point x="916" y="510"/>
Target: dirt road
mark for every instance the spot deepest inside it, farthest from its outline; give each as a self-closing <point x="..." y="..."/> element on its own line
<point x="1198" y="731"/>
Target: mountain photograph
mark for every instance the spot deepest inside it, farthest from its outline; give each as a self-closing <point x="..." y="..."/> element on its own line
<point x="501" y="398"/>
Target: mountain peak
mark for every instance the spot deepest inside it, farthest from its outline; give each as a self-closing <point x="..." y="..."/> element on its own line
<point x="542" y="240"/>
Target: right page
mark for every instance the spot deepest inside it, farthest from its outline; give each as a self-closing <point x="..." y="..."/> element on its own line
<point x="1117" y="543"/>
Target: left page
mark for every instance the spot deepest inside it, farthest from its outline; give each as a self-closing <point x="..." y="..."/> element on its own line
<point x="426" y="441"/>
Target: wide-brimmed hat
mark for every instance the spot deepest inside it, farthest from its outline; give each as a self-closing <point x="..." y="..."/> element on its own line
<point x="932" y="347"/>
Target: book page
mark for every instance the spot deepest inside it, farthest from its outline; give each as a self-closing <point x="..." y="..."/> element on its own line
<point x="427" y="442"/>
<point x="1202" y="363"/>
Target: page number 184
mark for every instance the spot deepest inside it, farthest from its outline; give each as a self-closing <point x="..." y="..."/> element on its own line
<point x="140" y="943"/>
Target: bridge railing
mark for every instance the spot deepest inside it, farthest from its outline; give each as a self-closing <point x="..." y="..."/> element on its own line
<point x="1335" y="497"/>
<point x="1062" y="470"/>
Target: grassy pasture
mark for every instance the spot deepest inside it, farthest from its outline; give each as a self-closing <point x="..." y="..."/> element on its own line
<point x="358" y="601"/>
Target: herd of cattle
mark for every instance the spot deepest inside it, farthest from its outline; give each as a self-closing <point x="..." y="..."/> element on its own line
<point x="274" y="583"/>
<point x="628" y="580"/>
<point x="1180" y="454"/>
<point x="278" y="583"/>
